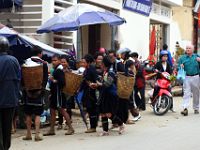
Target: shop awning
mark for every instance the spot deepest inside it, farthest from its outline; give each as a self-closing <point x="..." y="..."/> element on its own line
<point x="16" y="38"/>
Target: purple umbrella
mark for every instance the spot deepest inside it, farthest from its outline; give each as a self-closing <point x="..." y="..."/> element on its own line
<point x="78" y="15"/>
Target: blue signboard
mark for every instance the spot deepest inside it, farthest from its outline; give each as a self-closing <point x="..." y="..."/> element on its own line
<point x="139" y="6"/>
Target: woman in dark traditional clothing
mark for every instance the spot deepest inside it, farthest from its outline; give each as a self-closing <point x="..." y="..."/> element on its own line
<point x="108" y="98"/>
<point x="89" y="87"/>
<point x="57" y="98"/>
<point x="70" y="104"/>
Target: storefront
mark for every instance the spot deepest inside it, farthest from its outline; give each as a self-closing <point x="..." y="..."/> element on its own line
<point x="93" y="37"/>
<point x="136" y="33"/>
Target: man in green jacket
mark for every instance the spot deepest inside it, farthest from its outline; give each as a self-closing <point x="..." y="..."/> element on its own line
<point x="189" y="62"/>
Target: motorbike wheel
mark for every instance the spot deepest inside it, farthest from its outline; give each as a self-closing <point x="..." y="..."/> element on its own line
<point x="163" y="107"/>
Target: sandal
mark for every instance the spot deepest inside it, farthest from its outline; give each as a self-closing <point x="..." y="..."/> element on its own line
<point x="113" y="126"/>
<point x="49" y="134"/>
<point x="27" y="138"/>
<point x="38" y="138"/>
<point x="104" y="133"/>
<point x="121" y="129"/>
<point x="70" y="132"/>
<point x="130" y="122"/>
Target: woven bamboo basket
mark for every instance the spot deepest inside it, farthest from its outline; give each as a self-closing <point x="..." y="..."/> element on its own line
<point x="72" y="83"/>
<point x="32" y="77"/>
<point x="125" y="86"/>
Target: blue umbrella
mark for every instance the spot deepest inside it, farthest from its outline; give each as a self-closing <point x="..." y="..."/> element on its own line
<point x="78" y="15"/>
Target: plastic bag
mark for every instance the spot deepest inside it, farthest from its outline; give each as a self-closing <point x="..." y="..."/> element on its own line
<point x="181" y="74"/>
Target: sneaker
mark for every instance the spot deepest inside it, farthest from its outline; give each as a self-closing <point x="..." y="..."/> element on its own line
<point x="137" y="118"/>
<point x="196" y="111"/>
<point x="92" y="130"/>
<point x="184" y="112"/>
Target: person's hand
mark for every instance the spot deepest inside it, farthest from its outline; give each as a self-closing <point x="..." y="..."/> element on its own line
<point x="156" y="70"/>
<point x="51" y="78"/>
<point x="99" y="83"/>
<point x="198" y="59"/>
<point x="182" y="66"/>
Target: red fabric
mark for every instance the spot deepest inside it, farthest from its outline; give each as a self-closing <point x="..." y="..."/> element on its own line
<point x="152" y="60"/>
<point x="152" y="44"/>
<point x="198" y="20"/>
<point x="140" y="83"/>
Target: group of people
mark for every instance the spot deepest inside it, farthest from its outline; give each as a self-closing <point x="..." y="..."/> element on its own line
<point x="99" y="91"/>
<point x="99" y="88"/>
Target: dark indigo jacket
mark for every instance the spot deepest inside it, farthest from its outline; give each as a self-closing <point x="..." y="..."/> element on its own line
<point x="9" y="81"/>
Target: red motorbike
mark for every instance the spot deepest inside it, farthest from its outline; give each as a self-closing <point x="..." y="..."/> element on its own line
<point x="163" y="100"/>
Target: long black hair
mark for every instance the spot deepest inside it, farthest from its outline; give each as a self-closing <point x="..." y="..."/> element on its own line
<point x="88" y="58"/>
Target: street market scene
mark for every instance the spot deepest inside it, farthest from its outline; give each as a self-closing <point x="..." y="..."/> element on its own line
<point x="99" y="74"/>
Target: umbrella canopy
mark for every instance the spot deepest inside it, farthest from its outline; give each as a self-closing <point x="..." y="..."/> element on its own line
<point x="46" y="48"/>
<point x="16" y="38"/>
<point x="78" y="15"/>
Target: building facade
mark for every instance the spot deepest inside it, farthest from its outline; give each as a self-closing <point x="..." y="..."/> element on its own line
<point x="134" y="34"/>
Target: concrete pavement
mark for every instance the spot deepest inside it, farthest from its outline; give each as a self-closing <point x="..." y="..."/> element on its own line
<point x="171" y="131"/>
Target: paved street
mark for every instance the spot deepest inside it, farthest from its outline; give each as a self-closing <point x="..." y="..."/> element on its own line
<point x="171" y="131"/>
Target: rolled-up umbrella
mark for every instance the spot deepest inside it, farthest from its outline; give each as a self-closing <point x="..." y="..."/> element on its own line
<point x="78" y="99"/>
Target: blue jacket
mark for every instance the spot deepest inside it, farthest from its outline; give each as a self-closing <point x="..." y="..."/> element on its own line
<point x="9" y="81"/>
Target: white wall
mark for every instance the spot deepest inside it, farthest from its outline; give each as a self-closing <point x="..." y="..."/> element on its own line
<point x="47" y="13"/>
<point x="174" y="2"/>
<point x="106" y="36"/>
<point x="135" y="33"/>
<point x="175" y="36"/>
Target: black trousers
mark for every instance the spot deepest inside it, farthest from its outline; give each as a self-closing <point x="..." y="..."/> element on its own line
<point x="114" y="118"/>
<point x="122" y="110"/>
<point x="140" y="101"/>
<point x="6" y="116"/>
<point x="93" y="115"/>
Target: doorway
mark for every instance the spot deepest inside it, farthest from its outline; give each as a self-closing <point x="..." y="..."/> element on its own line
<point x="94" y="36"/>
